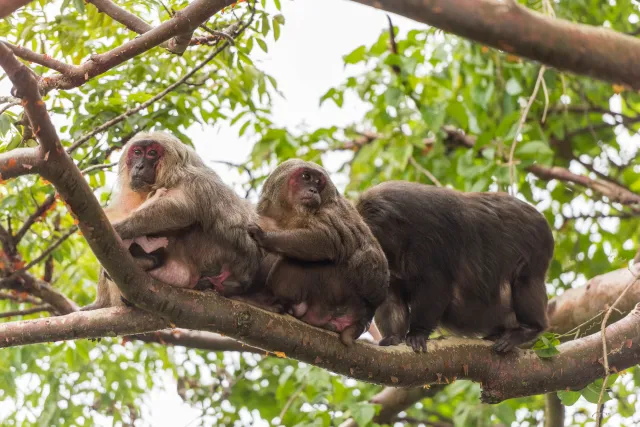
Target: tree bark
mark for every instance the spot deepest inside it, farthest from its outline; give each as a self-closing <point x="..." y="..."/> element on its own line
<point x="553" y="411"/>
<point x="503" y="24"/>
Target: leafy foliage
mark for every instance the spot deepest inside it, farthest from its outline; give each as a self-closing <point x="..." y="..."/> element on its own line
<point x="432" y="83"/>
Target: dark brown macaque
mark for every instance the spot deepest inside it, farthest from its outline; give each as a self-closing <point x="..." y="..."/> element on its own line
<point x="329" y="270"/>
<point x="181" y="223"/>
<point x="472" y="263"/>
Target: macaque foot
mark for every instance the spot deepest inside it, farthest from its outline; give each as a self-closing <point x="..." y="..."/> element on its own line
<point x="126" y="302"/>
<point x="218" y="281"/>
<point x="390" y="340"/>
<point x="418" y="340"/>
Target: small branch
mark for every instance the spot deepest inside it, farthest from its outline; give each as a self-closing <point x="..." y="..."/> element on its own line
<point x="40" y="210"/>
<point x="49" y="250"/>
<point x="428" y="174"/>
<point x="19" y="297"/>
<point x="129" y="20"/>
<point x="185" y="21"/>
<point x="98" y="167"/>
<point x="9" y="105"/>
<point x="25" y="312"/>
<point x="245" y="168"/>
<point x="200" y="340"/>
<point x="605" y="355"/>
<point x="40" y="59"/>
<point x="19" y="162"/>
<point x="231" y="29"/>
<point x="48" y="294"/>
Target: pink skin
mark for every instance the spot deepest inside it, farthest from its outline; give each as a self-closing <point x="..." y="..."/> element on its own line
<point x="136" y="151"/>
<point x="301" y="311"/>
<point x="217" y="281"/>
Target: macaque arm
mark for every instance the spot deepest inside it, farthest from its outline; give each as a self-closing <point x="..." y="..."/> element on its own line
<point x="167" y="213"/>
<point x="303" y="244"/>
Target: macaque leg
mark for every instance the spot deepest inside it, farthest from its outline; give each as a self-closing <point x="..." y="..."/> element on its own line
<point x="529" y="300"/>
<point x="351" y="328"/>
<point x="176" y="273"/>
<point x="392" y="318"/>
<point x="429" y="301"/>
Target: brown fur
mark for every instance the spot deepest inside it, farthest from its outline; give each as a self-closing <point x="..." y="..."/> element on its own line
<point x="330" y="271"/>
<point x="474" y="263"/>
<point x="203" y="221"/>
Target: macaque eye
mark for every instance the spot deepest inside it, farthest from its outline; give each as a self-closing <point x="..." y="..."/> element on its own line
<point x="137" y="152"/>
<point x="152" y="153"/>
<point x="306" y="176"/>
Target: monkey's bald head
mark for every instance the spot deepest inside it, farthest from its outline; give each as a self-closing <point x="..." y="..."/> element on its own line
<point x="297" y="184"/>
<point x="155" y="159"/>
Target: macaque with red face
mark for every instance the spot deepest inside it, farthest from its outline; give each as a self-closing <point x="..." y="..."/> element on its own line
<point x="329" y="271"/>
<point x="180" y="221"/>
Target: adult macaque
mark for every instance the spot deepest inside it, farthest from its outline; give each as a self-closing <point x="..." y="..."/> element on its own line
<point x="330" y="271"/>
<point x="180" y="221"/>
<point x="474" y="263"/>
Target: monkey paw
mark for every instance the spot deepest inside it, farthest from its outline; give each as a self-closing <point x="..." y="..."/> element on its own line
<point x="418" y="341"/>
<point x="255" y="232"/>
<point x="390" y="340"/>
<point x="503" y="345"/>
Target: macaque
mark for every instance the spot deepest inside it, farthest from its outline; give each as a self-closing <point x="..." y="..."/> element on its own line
<point x="329" y="270"/>
<point x="472" y="263"/>
<point x="180" y="221"/>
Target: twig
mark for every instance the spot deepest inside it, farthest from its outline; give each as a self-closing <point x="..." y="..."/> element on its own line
<point x="98" y="167"/>
<point x="523" y="119"/>
<point x="40" y="210"/>
<point x="428" y="174"/>
<point x="40" y="59"/>
<point x="19" y="297"/>
<point x="604" y="345"/>
<point x="6" y="107"/>
<point x="32" y="310"/>
<point x="293" y="397"/>
<point x="47" y="251"/>
<point x="240" y="166"/>
<point x="231" y="29"/>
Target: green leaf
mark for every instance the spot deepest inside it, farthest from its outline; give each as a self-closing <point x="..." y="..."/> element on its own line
<point x="276" y="30"/>
<point x="363" y="413"/>
<point x="279" y="18"/>
<point x="513" y="87"/>
<point x="262" y="45"/>
<point x="392" y="96"/>
<point x="457" y="111"/>
<point x="79" y="4"/>
<point x="568" y="398"/>
<point x="356" y="56"/>
<point x="277" y="3"/>
<point x="532" y="149"/>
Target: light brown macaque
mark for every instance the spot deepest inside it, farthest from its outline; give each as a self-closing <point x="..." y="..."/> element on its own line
<point x="472" y="263"/>
<point x="181" y="223"/>
<point x="329" y="270"/>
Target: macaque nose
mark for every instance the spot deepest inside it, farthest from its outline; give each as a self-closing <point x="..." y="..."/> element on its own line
<point x="313" y="190"/>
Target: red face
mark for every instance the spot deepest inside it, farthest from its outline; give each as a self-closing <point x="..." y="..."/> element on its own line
<point x="143" y="159"/>
<point x="305" y="187"/>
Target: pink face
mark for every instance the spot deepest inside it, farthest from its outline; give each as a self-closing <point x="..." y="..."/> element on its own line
<point x="305" y="187"/>
<point x="143" y="158"/>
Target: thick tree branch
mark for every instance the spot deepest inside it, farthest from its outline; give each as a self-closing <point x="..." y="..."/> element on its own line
<point x="7" y="7"/>
<point x="580" y="309"/>
<point x="42" y="290"/>
<point x="18" y="162"/>
<point x="520" y="373"/>
<point x="41" y="59"/>
<point x="582" y="49"/>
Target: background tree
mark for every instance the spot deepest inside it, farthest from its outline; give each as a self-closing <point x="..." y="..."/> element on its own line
<point x="441" y="110"/>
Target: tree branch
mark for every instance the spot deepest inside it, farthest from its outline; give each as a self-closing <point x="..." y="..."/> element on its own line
<point x="393" y="400"/>
<point x="580" y="309"/>
<point x="40" y="210"/>
<point x="505" y="25"/>
<point x="26" y="311"/>
<point x="41" y="59"/>
<point x="184" y="21"/>
<point x="7" y="7"/>
<point x="18" y="162"/>
<point x="200" y="340"/>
